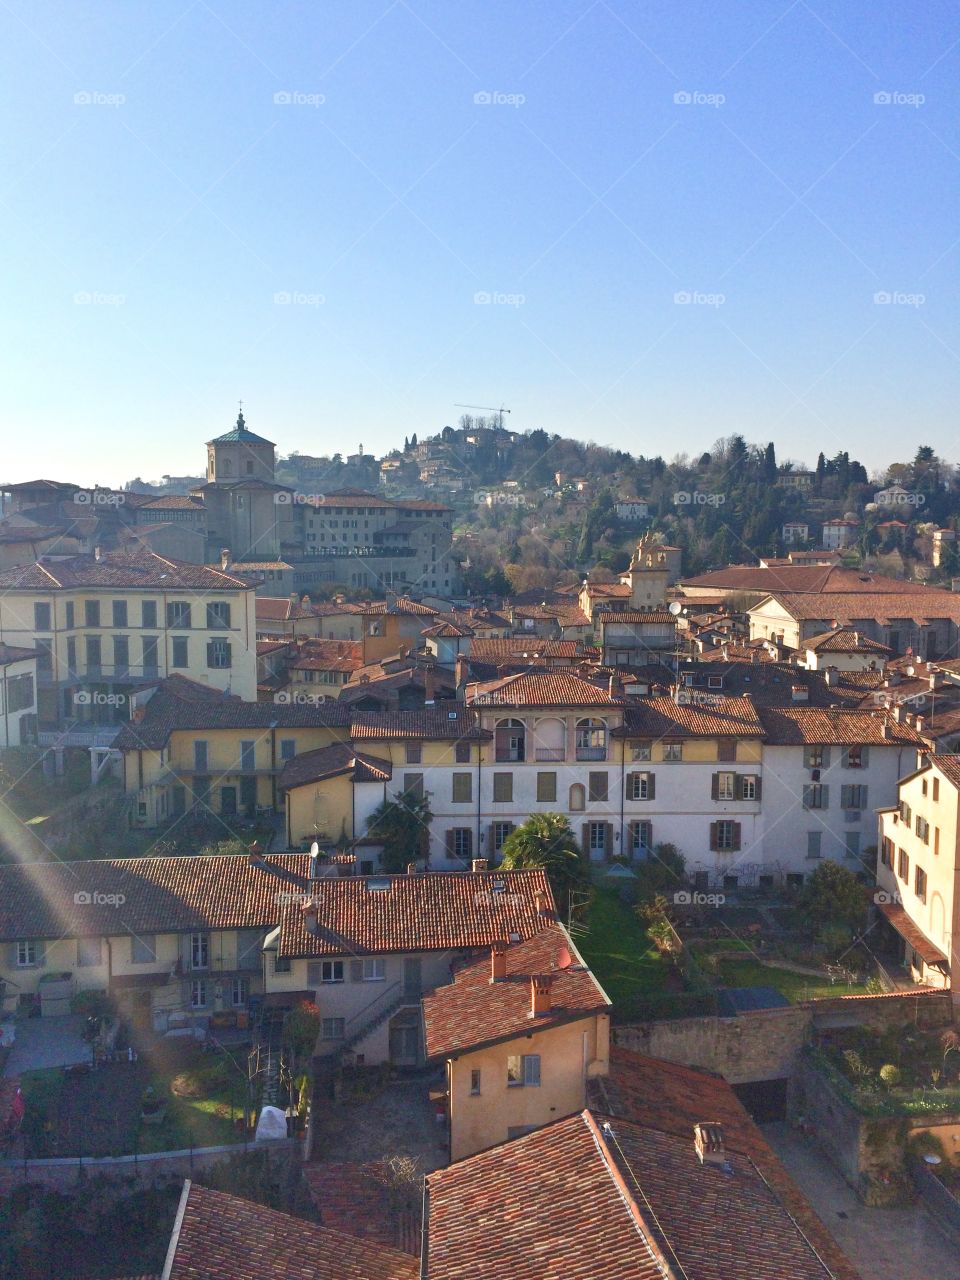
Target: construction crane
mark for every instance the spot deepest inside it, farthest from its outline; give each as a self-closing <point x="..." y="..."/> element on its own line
<point x="487" y="409"/>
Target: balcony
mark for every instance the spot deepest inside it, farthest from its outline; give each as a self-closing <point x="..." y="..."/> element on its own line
<point x="548" y="755"/>
<point x="591" y="753"/>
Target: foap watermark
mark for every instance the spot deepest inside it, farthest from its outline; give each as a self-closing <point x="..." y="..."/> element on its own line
<point x="494" y="897"/>
<point x="294" y="298"/>
<point x="86" y="898"/>
<point x="693" y="898"/>
<point x="895" y="98"/>
<point x="694" y="498"/>
<point x="901" y="498"/>
<point x="294" y="498"/>
<point x="484" y="299"/>
<point x="484" y="499"/>
<point x="497" y="98"/>
<point x="99" y="498"/>
<point x="287" y="898"/>
<point x="95" y="98"/>
<point x="692" y="298"/>
<point x="299" y="698"/>
<point x="887" y="898"/>
<point x="92" y="298"/>
<point x="896" y="298"/>
<point x="297" y="98"/>
<point x="98" y="698"/>
<point x="696" y="98"/>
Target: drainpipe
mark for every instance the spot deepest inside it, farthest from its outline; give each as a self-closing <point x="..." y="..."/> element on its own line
<point x="623" y="795"/>
<point x="424" y="1234"/>
<point x="480" y="793"/>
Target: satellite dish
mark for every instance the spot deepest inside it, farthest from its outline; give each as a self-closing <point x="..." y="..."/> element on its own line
<point x="675" y="607"/>
<point x="315" y="850"/>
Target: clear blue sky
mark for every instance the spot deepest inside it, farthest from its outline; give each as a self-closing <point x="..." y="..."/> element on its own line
<point x="145" y="240"/>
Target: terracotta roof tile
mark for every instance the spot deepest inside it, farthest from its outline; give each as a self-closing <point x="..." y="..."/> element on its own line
<point x="328" y="762"/>
<point x="140" y="569"/>
<point x="222" y="1237"/>
<point x="849" y="608"/>
<point x="473" y="1011"/>
<point x="798" y="726"/>
<point x="716" y="716"/>
<point x="554" y="689"/>
<point x="510" y="648"/>
<point x="801" y="579"/>
<point x="949" y="766"/>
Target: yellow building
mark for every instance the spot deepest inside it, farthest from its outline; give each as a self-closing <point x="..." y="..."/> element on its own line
<point x="104" y="625"/>
<point x="522" y="1030"/>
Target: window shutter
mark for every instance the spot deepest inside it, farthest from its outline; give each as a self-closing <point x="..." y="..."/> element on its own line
<point x="356" y="970"/>
<point x="863" y="798"/>
<point x="651" y="785"/>
<point x="448" y="840"/>
<point x="825" y="758"/>
<point x="714" y="786"/>
<point x="12" y="961"/>
<point x="649" y="835"/>
<point x="209" y="653"/>
<point x="632" y="830"/>
<point x="632" y="785"/>
<point x="736" y="837"/>
<point x="825" y="804"/>
<point x="806" y="757"/>
<point x="845" y="802"/>
<point x="41" y="953"/>
<point x="491" y="841"/>
<point x="758" y="786"/>
<point x="608" y="839"/>
<point x="586" y="839"/>
<point x="713" y="835"/>
<point x="228" y="655"/>
<point x="314" y="977"/>
<point x="864" y="756"/>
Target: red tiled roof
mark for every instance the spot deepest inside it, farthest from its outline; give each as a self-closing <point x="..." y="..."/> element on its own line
<point x="282" y="609"/>
<point x="949" y="766"/>
<point x="473" y="1011"/>
<point x="802" y="579"/>
<point x="539" y="689"/>
<point x="507" y="648"/>
<point x="139" y="569"/>
<point x="797" y="726"/>
<point x="328" y="655"/>
<point x="452" y="722"/>
<point x="401" y="606"/>
<point x="661" y="617"/>
<point x="844" y="640"/>
<point x="718" y="717"/>
<point x="328" y="762"/>
<point x="436" y="911"/>
<point x="928" y="951"/>
<point x="852" y="607"/>
<point x="221" y="1237"/>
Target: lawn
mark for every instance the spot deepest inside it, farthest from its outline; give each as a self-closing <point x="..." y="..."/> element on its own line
<point x="205" y="1100"/>
<point x="616" y="947"/>
<point x="795" y="986"/>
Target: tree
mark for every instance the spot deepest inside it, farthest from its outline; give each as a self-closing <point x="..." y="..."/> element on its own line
<point x="402" y="825"/>
<point x="413" y="441"/>
<point x="301" y="1027"/>
<point x="546" y="840"/>
<point x="833" y="896"/>
<point x="770" y="464"/>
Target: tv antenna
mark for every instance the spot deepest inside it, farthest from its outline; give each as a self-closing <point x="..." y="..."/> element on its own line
<point x="487" y="409"/>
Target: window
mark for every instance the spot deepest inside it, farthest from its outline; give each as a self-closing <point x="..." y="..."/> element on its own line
<point x="816" y="757"/>
<point x="673" y="751"/>
<point x="714" y="682"/>
<point x="462" y="788"/>
<point x="923" y="786"/>
<point x="44" y="655"/>
<point x="218" y="615"/>
<point x="724" y="786"/>
<point x="143" y="950"/>
<point x="180" y="652"/>
<point x="178" y="615"/>
<point x="814" y="842"/>
<point x="903" y="865"/>
<point x="332" y="1028"/>
<point x="151" y="650"/>
<point x="148" y="613"/>
<point x="27" y="953"/>
<point x="853" y="797"/>
<point x="640" y="786"/>
<point x="331" y="971"/>
<point x="414" y="752"/>
<point x="523" y="1070"/>
<point x="198" y="993"/>
<point x="920" y="883"/>
<point x="89" y="953"/>
<point x="816" y="796"/>
<point x="591" y="740"/>
<point x="936" y="839"/>
<point x="94" y="654"/>
<point x="725" y="836"/>
<point x="218" y="655"/>
<point x="546" y="788"/>
<point x="288" y="748"/>
<point x="413" y="785"/>
<point x="41" y="617"/>
<point x="749" y="787"/>
<point x="247" y="755"/>
<point x="461" y="753"/>
<point x="597" y="787"/>
<point x="199" y="951"/>
<point x="281" y="964"/>
<point x="238" y="992"/>
<point x="374" y="969"/>
<point x="118" y="610"/>
<point x="19" y="693"/>
<point x="460" y="842"/>
<point x="642" y="751"/>
<point x="906" y="813"/>
<point x="475" y="1082"/>
<point x="502" y="788"/>
<point x="71" y="615"/>
<point x="851" y="844"/>
<point x="726" y="749"/>
<point x="200" y="756"/>
<point x="596" y="837"/>
<point x="91" y="613"/>
<point x="641" y="837"/>
<point x="121" y="655"/>
<point x="499" y="833"/>
<point x="856" y="757"/>
<point x="923" y="829"/>
<point x="886" y="852"/>
<point x="936" y="789"/>
<point x="510" y="741"/>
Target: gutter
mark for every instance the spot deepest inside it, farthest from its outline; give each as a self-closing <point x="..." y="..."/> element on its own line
<point x="175" y="1234"/>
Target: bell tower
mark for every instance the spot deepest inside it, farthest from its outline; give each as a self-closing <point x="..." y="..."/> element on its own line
<point x="649" y="576"/>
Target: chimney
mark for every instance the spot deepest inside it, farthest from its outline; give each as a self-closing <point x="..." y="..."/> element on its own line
<point x="225" y="558"/>
<point x="799" y="693"/>
<point x="831" y="676"/>
<point x="898" y="713"/>
<point x="305" y="602"/>
<point x="754" y="655"/>
<point x="918" y="724"/>
<point x="97" y="552"/>
<point x="540" y="995"/>
<point x="460" y="672"/>
<point x="933" y="680"/>
<point x="615" y="686"/>
<point x="885" y="728"/>
<point x="478" y="864"/>
<point x="255" y="854"/>
<point x="429" y="686"/>
<point x="411" y="868"/>
<point x="498" y="962"/>
<point x="310" y="916"/>
<point x="541" y="902"/>
<point x="708" y="1143"/>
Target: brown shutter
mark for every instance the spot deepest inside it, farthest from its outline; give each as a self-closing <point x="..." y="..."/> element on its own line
<point x="713" y="835"/>
<point x="714" y="786"/>
<point x="491" y="851"/>
<point x="586" y="840"/>
<point x="448" y="840"/>
<point x="758" y="784"/>
<point x="631" y="835"/>
<point x="608" y="839"/>
<point x="864" y="756"/>
<point x="630" y="785"/>
<point x="825" y="758"/>
<point x="651" y="785"/>
<point x="736" y="837"/>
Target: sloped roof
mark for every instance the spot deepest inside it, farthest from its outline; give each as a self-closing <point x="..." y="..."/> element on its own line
<point x="911" y="932"/>
<point x="845" y="640"/>
<point x="328" y="762"/>
<point x="846" y="608"/>
<point x="472" y="1011"/>
<point x="239" y="434"/>
<point x="716" y="716"/>
<point x="139" y="569"/>
<point x="799" y="726"/>
<point x="218" y="1236"/>
<point x="803" y="579"/>
<point x="540" y="689"/>
<point x="510" y="648"/>
<point x="436" y="911"/>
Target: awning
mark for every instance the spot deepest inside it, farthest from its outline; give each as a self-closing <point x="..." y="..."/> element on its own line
<point x="914" y="936"/>
<point x="287" y="999"/>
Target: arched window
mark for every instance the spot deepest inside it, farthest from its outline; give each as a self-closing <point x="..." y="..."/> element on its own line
<point x="578" y="798"/>
<point x="510" y="742"/>
<point x="591" y="739"/>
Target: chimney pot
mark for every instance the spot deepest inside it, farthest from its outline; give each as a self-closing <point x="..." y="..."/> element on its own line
<point x="541" y="902"/>
<point x="478" y="864"/>
<point x="498" y="962"/>
<point x="255" y="852"/>
<point x="540" y="995"/>
<point x="411" y="868"/>
<point x="310" y="916"/>
<point x="225" y="557"/>
<point x="708" y="1142"/>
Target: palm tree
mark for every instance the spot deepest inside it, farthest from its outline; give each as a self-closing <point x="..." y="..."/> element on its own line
<point x="546" y="840"/>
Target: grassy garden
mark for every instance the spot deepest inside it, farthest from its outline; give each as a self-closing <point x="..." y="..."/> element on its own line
<point x="796" y="987"/>
<point x="619" y="950"/>
<point x="896" y="1072"/>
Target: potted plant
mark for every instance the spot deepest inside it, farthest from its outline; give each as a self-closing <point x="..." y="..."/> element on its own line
<point x="153" y="1106"/>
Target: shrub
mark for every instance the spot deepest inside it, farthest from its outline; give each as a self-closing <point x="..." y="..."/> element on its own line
<point x="890" y="1074"/>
